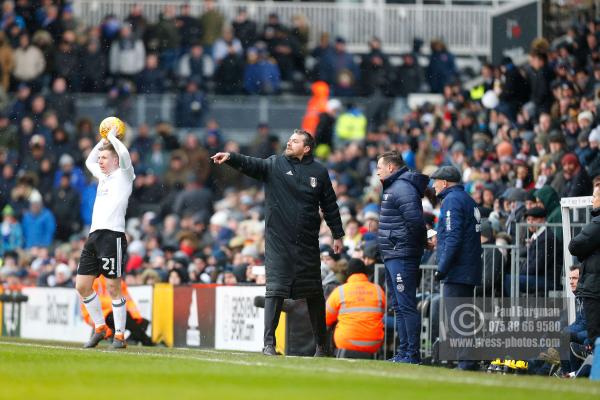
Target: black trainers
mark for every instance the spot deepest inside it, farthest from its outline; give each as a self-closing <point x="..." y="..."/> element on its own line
<point x="321" y="351"/>
<point x="119" y="342"/>
<point x="98" y="335"/>
<point x="269" y="350"/>
<point x="580" y="351"/>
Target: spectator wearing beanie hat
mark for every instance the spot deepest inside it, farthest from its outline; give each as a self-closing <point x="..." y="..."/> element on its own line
<point x="593" y="162"/>
<point x="574" y="180"/>
<point x="585" y="120"/>
<point x="583" y="150"/>
<point x="556" y="144"/>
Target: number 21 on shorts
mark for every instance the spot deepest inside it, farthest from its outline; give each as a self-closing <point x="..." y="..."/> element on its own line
<point x="105" y="262"/>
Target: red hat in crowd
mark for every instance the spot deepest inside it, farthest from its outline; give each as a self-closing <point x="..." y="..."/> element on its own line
<point x="570" y="158"/>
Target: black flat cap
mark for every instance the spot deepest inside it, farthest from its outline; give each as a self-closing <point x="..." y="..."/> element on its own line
<point x="448" y="173"/>
<point x="515" y="194"/>
<point x="556" y="137"/>
<point x="536" y="212"/>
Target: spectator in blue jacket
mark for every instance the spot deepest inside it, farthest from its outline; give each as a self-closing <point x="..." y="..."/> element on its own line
<point x="191" y="106"/>
<point x="459" y="241"/>
<point x="39" y="224"/>
<point x="261" y="75"/>
<point x="11" y="231"/>
<point x="578" y="329"/>
<point x="67" y="166"/>
<point x="152" y="78"/>
<point x="442" y="67"/>
<point x="88" y="196"/>
<point x="402" y="237"/>
<point x="338" y="69"/>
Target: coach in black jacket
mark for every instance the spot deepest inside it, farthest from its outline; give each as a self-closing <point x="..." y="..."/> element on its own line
<point x="295" y="187"/>
<point x="586" y="247"/>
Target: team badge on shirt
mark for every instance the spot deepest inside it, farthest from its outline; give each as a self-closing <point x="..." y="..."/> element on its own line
<point x="313" y="182"/>
<point x="102" y="188"/>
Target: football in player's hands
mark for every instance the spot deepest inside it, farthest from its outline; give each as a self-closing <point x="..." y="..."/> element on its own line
<point x="113" y="124"/>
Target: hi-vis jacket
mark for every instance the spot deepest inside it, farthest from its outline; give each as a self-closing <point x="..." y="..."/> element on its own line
<point x="106" y="301"/>
<point x="358" y="307"/>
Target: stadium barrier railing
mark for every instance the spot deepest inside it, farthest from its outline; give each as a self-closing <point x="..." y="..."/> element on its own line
<point x="463" y="25"/>
<point x="505" y="280"/>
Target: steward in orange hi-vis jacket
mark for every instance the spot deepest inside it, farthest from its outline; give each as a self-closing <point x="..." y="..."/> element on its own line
<point x="316" y="105"/>
<point x="358" y="306"/>
<point x="135" y="323"/>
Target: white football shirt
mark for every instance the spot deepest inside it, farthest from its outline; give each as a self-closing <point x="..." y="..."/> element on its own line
<point x="113" y="191"/>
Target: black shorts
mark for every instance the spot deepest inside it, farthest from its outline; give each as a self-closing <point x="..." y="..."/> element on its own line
<point x="103" y="253"/>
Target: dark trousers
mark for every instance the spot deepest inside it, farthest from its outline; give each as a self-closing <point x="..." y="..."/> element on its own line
<point x="591" y="308"/>
<point x="360" y="355"/>
<point x="457" y="290"/>
<point x="138" y="330"/>
<point x="402" y="277"/>
<point x="316" y="312"/>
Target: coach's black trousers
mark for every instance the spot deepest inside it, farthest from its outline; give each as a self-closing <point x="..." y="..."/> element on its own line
<point x="316" y="312"/>
<point x="591" y="308"/>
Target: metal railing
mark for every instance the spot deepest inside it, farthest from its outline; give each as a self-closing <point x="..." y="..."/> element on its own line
<point x="238" y="116"/>
<point x="463" y="25"/>
<point x="505" y="276"/>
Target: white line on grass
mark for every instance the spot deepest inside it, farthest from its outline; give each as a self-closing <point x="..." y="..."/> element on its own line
<point x="400" y="373"/>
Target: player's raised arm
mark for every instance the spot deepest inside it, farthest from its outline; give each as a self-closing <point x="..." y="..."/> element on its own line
<point x="124" y="157"/>
<point x="91" y="161"/>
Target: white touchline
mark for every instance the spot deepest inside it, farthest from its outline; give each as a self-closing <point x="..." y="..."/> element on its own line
<point x="399" y="374"/>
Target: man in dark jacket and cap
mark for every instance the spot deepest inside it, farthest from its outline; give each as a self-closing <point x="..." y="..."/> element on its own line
<point x="586" y="247"/>
<point x="402" y="238"/>
<point x="296" y="187"/>
<point x="541" y="259"/>
<point x="459" y="241"/>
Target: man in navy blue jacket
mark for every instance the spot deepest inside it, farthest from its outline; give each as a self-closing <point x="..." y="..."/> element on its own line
<point x="402" y="237"/>
<point x="459" y="240"/>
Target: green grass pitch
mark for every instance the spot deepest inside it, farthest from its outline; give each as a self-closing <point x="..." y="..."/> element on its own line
<point x="45" y="370"/>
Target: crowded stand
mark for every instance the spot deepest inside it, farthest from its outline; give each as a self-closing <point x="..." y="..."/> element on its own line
<point x="522" y="138"/>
